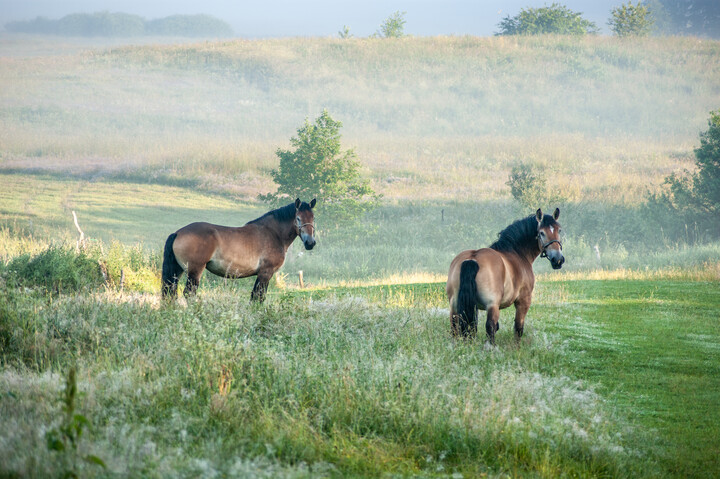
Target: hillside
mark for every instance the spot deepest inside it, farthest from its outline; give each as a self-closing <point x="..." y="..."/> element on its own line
<point x="425" y="114"/>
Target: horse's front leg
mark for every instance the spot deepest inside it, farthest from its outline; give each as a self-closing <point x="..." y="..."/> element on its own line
<point x="260" y="288"/>
<point x="521" y="308"/>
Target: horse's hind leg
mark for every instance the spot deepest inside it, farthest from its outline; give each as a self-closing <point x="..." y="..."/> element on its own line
<point x="193" y="281"/>
<point x="491" y="324"/>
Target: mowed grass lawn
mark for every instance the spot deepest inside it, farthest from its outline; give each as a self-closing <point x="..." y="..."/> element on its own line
<point x="654" y="349"/>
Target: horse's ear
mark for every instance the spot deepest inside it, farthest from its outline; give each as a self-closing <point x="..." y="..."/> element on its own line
<point x="297" y="203"/>
<point x="556" y="214"/>
<point x="312" y="203"/>
<point x="539" y="215"/>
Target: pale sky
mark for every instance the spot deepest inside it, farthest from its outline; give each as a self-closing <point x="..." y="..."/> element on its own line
<point x="271" y="18"/>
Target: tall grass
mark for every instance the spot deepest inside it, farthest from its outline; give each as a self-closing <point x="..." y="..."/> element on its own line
<point x="334" y="387"/>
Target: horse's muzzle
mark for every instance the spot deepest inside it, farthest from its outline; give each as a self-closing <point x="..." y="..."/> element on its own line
<point x="557" y="263"/>
<point x="309" y="243"/>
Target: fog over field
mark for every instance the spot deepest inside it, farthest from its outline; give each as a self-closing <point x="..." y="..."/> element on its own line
<point x="274" y="18"/>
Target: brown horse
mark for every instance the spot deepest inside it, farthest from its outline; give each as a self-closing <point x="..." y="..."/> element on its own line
<point x="258" y="248"/>
<point x="494" y="278"/>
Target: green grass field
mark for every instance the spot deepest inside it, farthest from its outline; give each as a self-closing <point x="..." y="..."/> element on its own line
<point x="355" y="375"/>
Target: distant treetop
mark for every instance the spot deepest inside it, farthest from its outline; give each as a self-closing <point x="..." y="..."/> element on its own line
<point x="556" y="18"/>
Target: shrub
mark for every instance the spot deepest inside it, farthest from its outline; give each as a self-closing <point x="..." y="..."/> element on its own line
<point x="556" y="18"/>
<point x="317" y="168"/>
<point x="393" y="26"/>
<point x="528" y="185"/>
<point x="56" y="269"/>
<point x="631" y="20"/>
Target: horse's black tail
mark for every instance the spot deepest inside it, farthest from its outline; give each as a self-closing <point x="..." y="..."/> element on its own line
<point x="171" y="269"/>
<point x="467" y="297"/>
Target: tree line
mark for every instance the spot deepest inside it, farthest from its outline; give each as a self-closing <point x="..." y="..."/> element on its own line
<point x="106" y="24"/>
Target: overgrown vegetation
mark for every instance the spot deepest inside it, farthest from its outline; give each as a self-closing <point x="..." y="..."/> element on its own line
<point x="696" y="196"/>
<point x="57" y="269"/>
<point x="107" y="24"/>
<point x="65" y="439"/>
<point x="631" y="20"/>
<point x="554" y="19"/>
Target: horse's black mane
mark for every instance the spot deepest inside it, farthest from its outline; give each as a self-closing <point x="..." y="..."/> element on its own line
<point x="282" y="214"/>
<point x="521" y="234"/>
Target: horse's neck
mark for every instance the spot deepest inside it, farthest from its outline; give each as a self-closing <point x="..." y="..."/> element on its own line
<point x="530" y="253"/>
<point x="285" y="231"/>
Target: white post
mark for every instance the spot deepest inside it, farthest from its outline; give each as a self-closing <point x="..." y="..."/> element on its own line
<point x="81" y="240"/>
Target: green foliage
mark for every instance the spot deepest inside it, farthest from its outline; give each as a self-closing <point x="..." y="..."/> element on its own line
<point x="696" y="196"/>
<point x="529" y="185"/>
<point x="345" y="33"/>
<point x="687" y="17"/>
<point x="393" y="26"/>
<point x="631" y="20"/>
<point x="65" y="438"/>
<point x="318" y="168"/>
<point x="105" y="24"/>
<point x="56" y="269"/>
<point x="555" y="19"/>
<point x="706" y="181"/>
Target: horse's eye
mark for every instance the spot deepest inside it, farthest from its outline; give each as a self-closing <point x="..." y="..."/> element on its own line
<point x="542" y="233"/>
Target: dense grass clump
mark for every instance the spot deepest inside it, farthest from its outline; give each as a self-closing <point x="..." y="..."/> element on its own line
<point x="58" y="269"/>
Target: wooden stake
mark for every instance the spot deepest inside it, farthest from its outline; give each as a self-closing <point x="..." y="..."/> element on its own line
<point x="81" y="240"/>
<point x="300" y="276"/>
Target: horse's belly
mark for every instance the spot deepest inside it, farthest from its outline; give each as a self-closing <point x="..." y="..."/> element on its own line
<point x="230" y="270"/>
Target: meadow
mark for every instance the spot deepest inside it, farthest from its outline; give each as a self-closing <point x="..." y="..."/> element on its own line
<point x="355" y="374"/>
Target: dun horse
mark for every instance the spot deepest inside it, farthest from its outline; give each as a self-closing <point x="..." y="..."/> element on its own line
<point x="258" y="248"/>
<point x="494" y="278"/>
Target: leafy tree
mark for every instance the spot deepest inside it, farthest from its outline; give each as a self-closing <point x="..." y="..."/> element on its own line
<point x="631" y="20"/>
<point x="393" y="26"/>
<point x="556" y="18"/>
<point x="697" y="195"/>
<point x="318" y="168"/>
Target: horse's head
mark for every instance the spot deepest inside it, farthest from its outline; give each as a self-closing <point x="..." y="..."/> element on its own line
<point x="549" y="238"/>
<point x="305" y="222"/>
